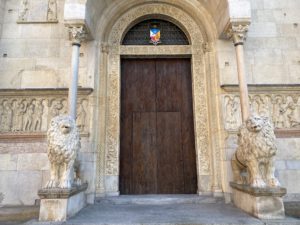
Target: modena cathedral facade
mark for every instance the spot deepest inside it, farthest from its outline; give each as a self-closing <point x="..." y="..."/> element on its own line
<point x="158" y="103"/>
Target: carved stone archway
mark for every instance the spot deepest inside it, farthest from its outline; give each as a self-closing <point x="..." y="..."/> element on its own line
<point x="202" y="58"/>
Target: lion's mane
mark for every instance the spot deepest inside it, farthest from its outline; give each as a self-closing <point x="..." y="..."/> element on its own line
<point x="62" y="147"/>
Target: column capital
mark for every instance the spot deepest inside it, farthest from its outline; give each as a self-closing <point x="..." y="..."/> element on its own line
<point x="77" y="34"/>
<point x="237" y="33"/>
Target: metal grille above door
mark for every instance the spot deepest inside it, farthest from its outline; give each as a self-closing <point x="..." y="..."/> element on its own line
<point x="170" y="34"/>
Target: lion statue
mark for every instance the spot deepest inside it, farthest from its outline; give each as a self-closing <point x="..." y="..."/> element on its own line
<point x="255" y="153"/>
<point x="63" y="144"/>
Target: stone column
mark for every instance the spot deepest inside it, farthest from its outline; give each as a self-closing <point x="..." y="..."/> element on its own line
<point x="77" y="35"/>
<point x="238" y="34"/>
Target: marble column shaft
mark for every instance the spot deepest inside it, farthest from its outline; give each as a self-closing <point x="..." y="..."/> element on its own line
<point x="238" y="33"/>
<point x="77" y="34"/>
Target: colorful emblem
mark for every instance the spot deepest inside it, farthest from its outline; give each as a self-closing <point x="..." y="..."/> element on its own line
<point x="154" y="35"/>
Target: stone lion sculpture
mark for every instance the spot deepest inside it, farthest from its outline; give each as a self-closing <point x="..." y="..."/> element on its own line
<point x="63" y="144"/>
<point x="255" y="153"/>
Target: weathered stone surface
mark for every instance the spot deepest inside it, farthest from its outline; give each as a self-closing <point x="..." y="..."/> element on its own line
<point x="261" y="203"/>
<point x="33" y="161"/>
<point x="8" y="162"/>
<point x="68" y="203"/>
<point x="28" y="183"/>
<point x="61" y="193"/>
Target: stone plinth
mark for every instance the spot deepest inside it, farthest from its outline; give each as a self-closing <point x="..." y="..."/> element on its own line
<point x="59" y="204"/>
<point x="263" y="203"/>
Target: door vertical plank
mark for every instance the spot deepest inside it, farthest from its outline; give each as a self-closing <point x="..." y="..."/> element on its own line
<point x="168" y="86"/>
<point x="170" y="176"/>
<point x="126" y="126"/>
<point x="137" y="95"/>
<point x="187" y="126"/>
<point x="144" y="153"/>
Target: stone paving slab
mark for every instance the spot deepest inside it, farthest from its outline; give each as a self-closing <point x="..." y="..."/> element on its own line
<point x="18" y="213"/>
<point x="171" y="210"/>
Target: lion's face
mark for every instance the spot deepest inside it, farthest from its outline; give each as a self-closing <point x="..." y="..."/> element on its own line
<point x="65" y="127"/>
<point x="255" y="123"/>
<point x="62" y="124"/>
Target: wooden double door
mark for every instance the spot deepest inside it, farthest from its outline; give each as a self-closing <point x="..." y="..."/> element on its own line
<point x="157" y="133"/>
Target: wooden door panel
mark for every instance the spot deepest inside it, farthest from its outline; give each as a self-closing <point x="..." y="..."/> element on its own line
<point x="137" y="94"/>
<point x="144" y="153"/>
<point x="168" y="85"/>
<point x="187" y="127"/>
<point x="126" y="155"/>
<point x="157" y="130"/>
<point x="170" y="165"/>
<point x="138" y="79"/>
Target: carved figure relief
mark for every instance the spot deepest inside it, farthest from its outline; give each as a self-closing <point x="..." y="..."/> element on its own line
<point x="32" y="114"/>
<point x="81" y="116"/>
<point x="37" y="11"/>
<point x="52" y="10"/>
<point x="255" y="153"/>
<point x="283" y="110"/>
<point x="6" y="116"/>
<point x="23" y="13"/>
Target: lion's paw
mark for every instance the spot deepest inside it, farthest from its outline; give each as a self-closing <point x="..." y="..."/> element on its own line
<point x="52" y="184"/>
<point x="66" y="183"/>
<point x="258" y="182"/>
<point x="273" y="182"/>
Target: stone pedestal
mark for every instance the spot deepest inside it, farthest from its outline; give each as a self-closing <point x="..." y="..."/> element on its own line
<point x="263" y="203"/>
<point x="60" y="204"/>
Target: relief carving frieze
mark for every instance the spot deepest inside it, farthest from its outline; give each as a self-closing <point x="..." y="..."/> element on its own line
<point x="20" y="114"/>
<point x="283" y="110"/>
<point x="38" y="11"/>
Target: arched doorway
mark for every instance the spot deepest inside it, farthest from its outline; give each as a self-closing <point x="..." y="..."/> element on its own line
<point x="201" y="61"/>
<point x="157" y="146"/>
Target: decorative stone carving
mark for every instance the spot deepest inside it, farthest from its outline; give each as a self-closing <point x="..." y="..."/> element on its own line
<point x="283" y="110"/>
<point x="237" y="32"/>
<point x="38" y="11"/>
<point x="63" y="145"/>
<point x="77" y="33"/>
<point x="112" y="73"/>
<point x="23" y="13"/>
<point x="52" y="10"/>
<point x="33" y="114"/>
<point x="255" y="153"/>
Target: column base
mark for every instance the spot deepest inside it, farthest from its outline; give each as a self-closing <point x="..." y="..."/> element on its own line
<point x="60" y="204"/>
<point x="263" y="203"/>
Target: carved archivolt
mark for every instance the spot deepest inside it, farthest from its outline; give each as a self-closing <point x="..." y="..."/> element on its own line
<point x="33" y="114"/>
<point x="283" y="110"/>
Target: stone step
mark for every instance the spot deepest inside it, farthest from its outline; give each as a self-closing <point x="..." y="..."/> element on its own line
<point x="292" y="209"/>
<point x="18" y="213"/>
<point x="158" y="199"/>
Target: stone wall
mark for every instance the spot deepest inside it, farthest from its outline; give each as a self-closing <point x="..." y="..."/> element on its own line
<point x="272" y="47"/>
<point x="2" y="5"/>
<point x="24" y="117"/>
<point x="282" y="106"/>
<point x="34" y="47"/>
<point x="272" y="55"/>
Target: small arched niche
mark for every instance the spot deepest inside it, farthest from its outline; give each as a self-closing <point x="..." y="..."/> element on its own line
<point x="165" y="32"/>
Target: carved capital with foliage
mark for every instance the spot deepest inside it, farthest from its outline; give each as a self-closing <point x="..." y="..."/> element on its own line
<point x="237" y="32"/>
<point x="77" y="34"/>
